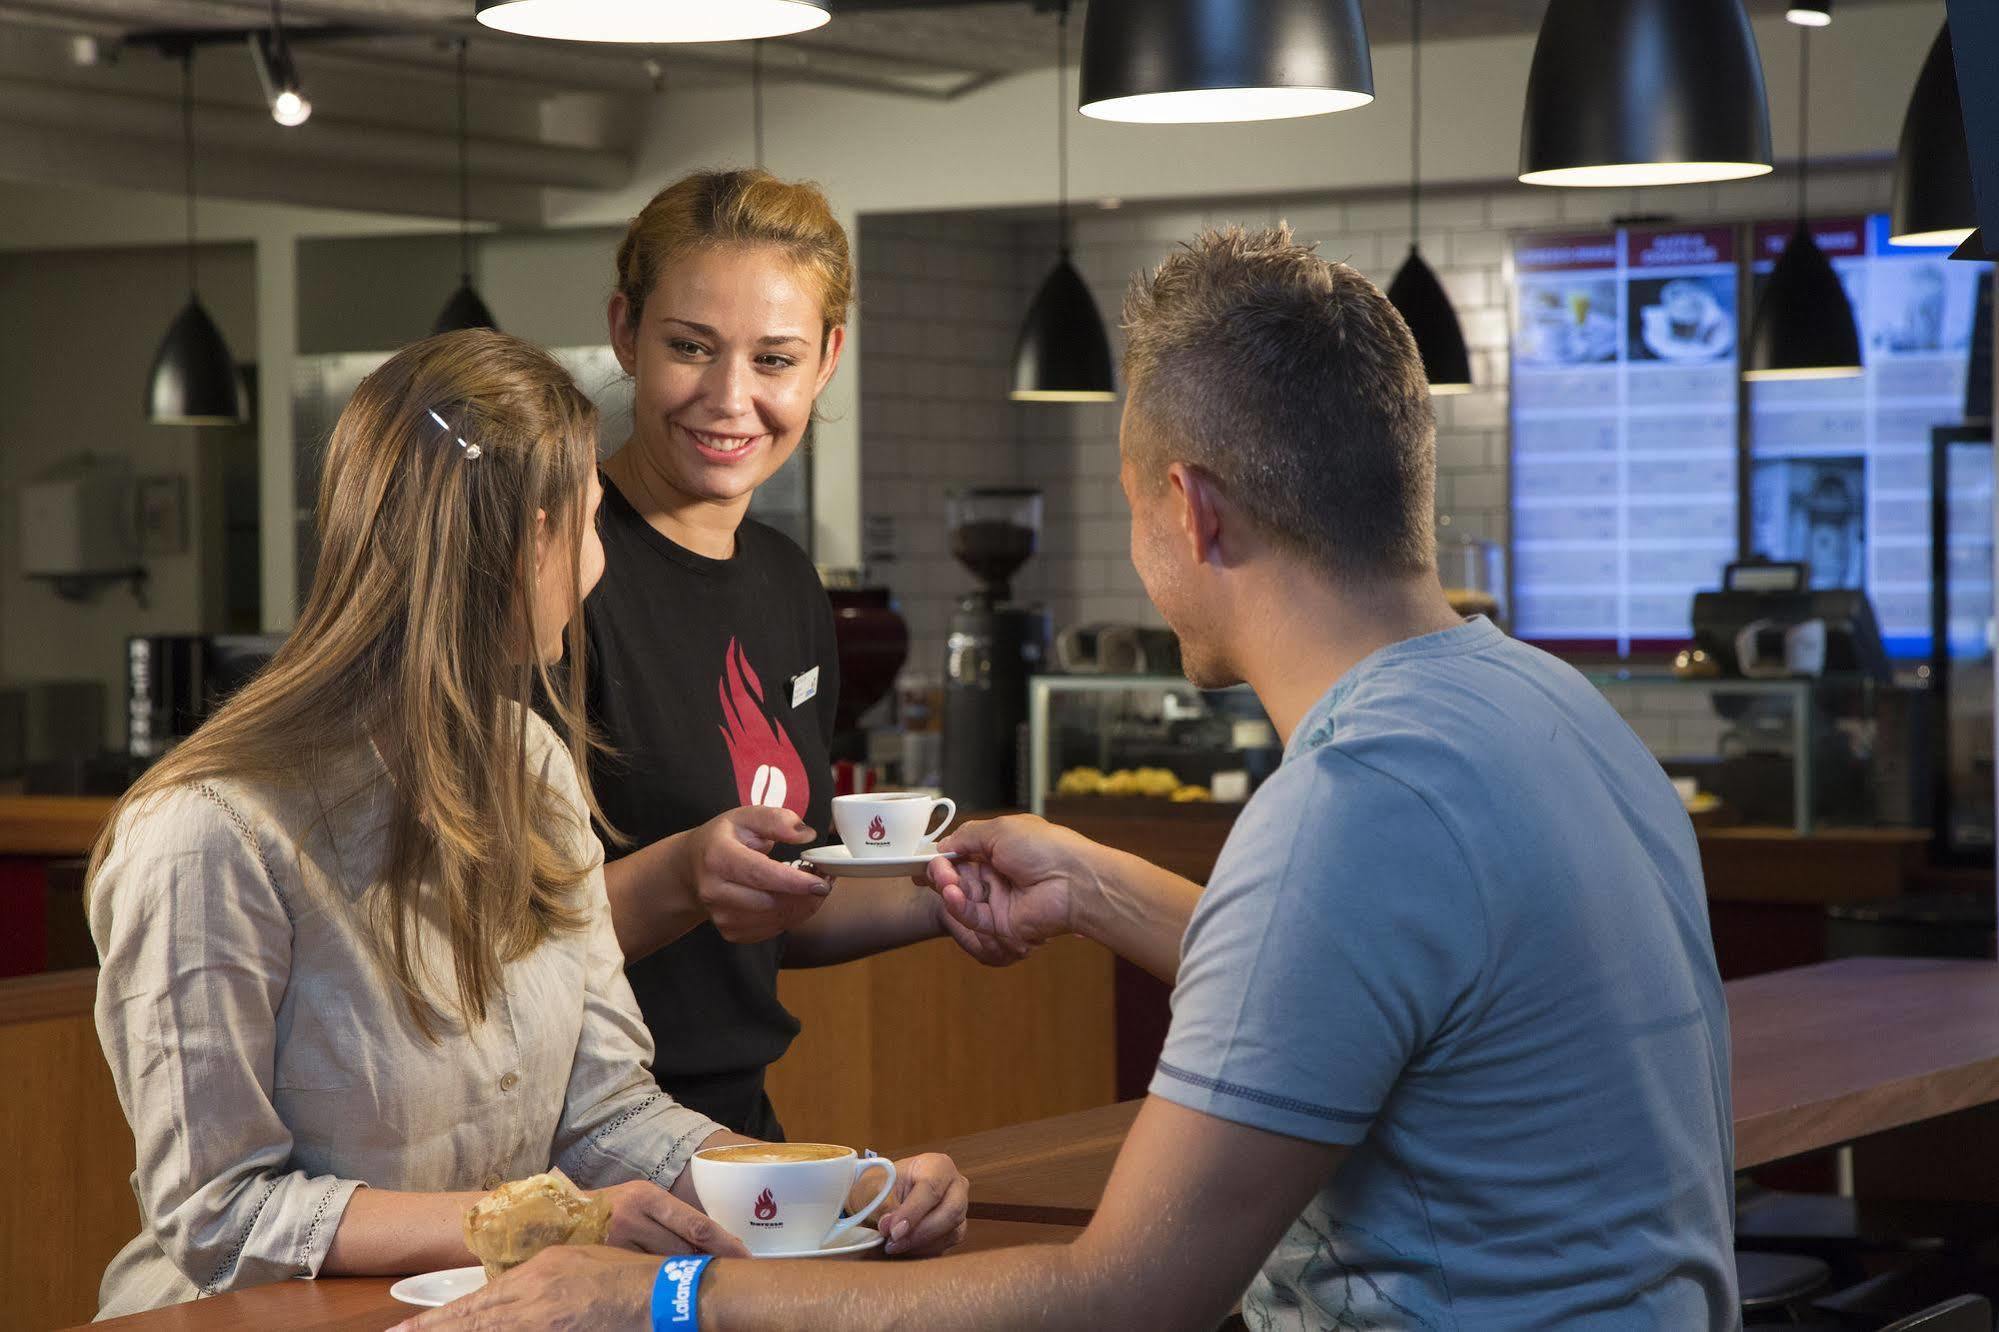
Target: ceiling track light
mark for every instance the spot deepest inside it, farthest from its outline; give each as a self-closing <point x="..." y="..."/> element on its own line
<point x="1933" y="202"/>
<point x="278" y="73"/>
<point x="647" y="21"/>
<point x="1416" y="293"/>
<point x="1188" y="61"/>
<point x="1644" y="92"/>
<point x="1803" y="327"/>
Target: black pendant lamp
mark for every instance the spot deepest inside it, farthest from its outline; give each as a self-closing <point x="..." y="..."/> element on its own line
<point x="1933" y="203"/>
<point x="1810" y="13"/>
<point x="1416" y="292"/>
<point x="1182" y="61"/>
<point x="194" y="379"/>
<point x="464" y="309"/>
<point x="648" y="21"/>
<point x="1063" y="354"/>
<point x="1644" y="92"/>
<point x="1803" y="327"/>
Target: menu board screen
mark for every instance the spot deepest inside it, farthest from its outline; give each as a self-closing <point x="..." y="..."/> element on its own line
<point x="1840" y="468"/>
<point x="1624" y="441"/>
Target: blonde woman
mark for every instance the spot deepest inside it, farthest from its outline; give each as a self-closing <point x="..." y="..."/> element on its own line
<point x="712" y="659"/>
<point x="357" y="962"/>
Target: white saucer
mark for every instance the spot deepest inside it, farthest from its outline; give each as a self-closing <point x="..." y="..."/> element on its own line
<point x="858" y="1240"/>
<point x="435" y="1288"/>
<point x="841" y="863"/>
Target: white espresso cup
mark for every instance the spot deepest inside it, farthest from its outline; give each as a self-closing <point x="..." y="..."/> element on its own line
<point x="785" y="1197"/>
<point x="893" y="823"/>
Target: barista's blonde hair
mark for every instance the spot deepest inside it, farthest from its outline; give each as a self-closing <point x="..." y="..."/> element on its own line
<point x="738" y="208"/>
<point x="418" y="639"/>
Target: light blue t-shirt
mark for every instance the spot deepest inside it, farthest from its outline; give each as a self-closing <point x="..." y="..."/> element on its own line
<point x="1462" y="932"/>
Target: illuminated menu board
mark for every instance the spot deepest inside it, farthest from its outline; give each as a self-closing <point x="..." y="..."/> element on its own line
<point x="1624" y="439"/>
<point x="1840" y="468"/>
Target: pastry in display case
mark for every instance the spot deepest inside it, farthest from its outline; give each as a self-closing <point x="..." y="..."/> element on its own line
<point x="1473" y="572"/>
<point x="1132" y="742"/>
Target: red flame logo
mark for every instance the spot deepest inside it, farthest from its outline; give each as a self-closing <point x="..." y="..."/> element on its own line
<point x="768" y="769"/>
<point x="877" y="830"/>
<point x="766" y="1208"/>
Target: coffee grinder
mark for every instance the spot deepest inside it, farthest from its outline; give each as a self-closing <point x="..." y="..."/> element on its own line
<point x="995" y="645"/>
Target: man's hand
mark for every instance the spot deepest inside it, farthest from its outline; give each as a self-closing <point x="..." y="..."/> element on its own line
<point x="645" y="1218"/>
<point x="924" y="1215"/>
<point x="749" y="896"/>
<point x="567" y="1288"/>
<point x="1016" y="886"/>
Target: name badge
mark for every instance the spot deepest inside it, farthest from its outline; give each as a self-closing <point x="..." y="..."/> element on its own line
<point x="805" y="687"/>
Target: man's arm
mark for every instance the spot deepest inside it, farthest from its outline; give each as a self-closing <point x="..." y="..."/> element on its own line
<point x="1023" y="881"/>
<point x="862" y="918"/>
<point x="1194" y="1206"/>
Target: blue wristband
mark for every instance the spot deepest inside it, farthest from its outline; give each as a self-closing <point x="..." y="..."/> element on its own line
<point x="676" y="1292"/>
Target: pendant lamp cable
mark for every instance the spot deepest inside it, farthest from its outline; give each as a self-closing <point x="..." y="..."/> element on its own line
<point x="464" y="175"/>
<point x="757" y="100"/>
<point x="1804" y="119"/>
<point x="1415" y="117"/>
<point x="187" y="154"/>
<point x="1062" y="125"/>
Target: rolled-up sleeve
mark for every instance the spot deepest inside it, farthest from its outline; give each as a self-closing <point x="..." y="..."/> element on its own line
<point x="617" y="1125"/>
<point x="616" y="1122"/>
<point x="195" y="945"/>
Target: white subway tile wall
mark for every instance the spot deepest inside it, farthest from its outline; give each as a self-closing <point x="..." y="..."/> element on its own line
<point x="941" y="301"/>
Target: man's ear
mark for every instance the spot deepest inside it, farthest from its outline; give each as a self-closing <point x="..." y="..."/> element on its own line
<point x="1200" y="511"/>
<point x="624" y="339"/>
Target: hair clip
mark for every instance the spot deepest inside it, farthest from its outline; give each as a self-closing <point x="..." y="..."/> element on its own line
<point x="471" y="450"/>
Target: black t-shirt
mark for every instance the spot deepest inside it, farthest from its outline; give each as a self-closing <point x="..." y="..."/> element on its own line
<point x="694" y="666"/>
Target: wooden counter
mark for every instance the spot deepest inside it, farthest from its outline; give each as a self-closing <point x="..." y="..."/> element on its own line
<point x="51" y="826"/>
<point x="363" y="1304"/>
<point x="1823" y="1055"/>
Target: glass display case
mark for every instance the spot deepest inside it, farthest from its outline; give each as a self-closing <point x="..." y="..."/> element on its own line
<point x="1124" y="739"/>
<point x="1808" y="753"/>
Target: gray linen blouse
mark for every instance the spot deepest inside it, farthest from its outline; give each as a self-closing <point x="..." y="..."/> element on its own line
<point x="269" y="1067"/>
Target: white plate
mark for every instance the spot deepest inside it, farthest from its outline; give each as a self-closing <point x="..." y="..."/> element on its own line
<point x="841" y="863"/>
<point x="435" y="1288"/>
<point x="858" y="1240"/>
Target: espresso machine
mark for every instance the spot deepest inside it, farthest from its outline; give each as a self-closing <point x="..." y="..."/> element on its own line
<point x="995" y="645"/>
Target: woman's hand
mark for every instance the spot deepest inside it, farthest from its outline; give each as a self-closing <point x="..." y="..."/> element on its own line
<point x="924" y="1214"/>
<point x="749" y="896"/>
<point x="645" y="1218"/>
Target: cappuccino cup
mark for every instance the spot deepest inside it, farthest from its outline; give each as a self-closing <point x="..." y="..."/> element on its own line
<point x="891" y="823"/>
<point x="785" y="1197"/>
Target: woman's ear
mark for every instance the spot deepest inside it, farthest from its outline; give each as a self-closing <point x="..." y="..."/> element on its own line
<point x="836" y="338"/>
<point x="624" y="338"/>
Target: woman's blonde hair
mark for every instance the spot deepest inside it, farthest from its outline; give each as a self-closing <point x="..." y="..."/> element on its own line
<point x="745" y="207"/>
<point x="418" y="639"/>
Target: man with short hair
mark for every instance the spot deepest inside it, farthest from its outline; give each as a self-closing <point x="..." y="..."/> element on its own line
<point x="1448" y="1045"/>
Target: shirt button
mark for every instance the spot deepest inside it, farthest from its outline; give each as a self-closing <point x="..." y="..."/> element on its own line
<point x="510" y="1081"/>
<point x="493" y="1181"/>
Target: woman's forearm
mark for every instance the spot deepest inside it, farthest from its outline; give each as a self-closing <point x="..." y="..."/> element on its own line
<point x="393" y="1234"/>
<point x="653" y="901"/>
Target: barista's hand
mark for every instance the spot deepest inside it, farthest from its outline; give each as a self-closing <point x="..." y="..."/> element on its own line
<point x="749" y="896"/>
<point x="1015" y="886"/>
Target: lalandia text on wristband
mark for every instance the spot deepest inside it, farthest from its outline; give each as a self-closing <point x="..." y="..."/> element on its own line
<point x="676" y="1292"/>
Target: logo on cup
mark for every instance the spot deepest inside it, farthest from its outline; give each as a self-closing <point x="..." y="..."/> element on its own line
<point x="766" y="1208"/>
<point x="877" y="830"/>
